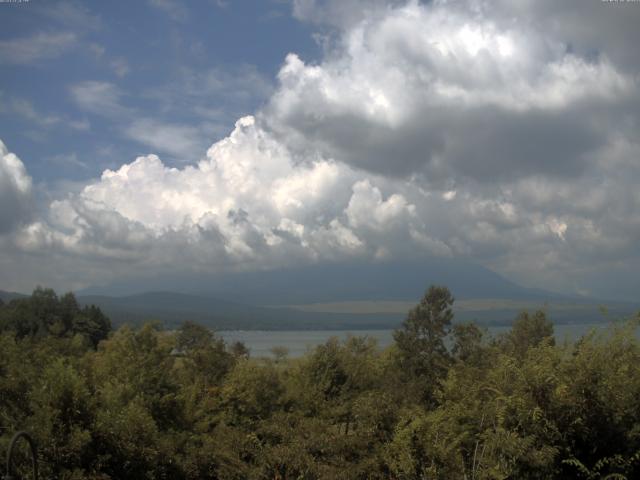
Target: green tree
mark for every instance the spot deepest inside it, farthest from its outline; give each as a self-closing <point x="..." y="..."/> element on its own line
<point x="527" y="331"/>
<point x="192" y="336"/>
<point x="62" y="421"/>
<point x="44" y="314"/>
<point x="468" y="343"/>
<point x="32" y="316"/>
<point x="91" y="323"/>
<point x="251" y="393"/>
<point x="239" y="350"/>
<point x="420" y="340"/>
<point x="280" y="353"/>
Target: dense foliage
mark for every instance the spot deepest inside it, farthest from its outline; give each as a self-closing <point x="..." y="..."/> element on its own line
<point x="444" y="401"/>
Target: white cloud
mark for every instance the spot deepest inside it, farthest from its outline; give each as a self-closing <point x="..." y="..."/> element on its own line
<point x="449" y="195"/>
<point x="68" y="160"/>
<point x="216" y="94"/>
<point x="247" y="172"/>
<point x="180" y="140"/>
<point x="175" y="10"/>
<point x="402" y="87"/>
<point x="102" y="98"/>
<point x="27" y="111"/>
<point x="248" y="203"/>
<point x="368" y="209"/>
<point x="210" y="98"/>
<point x="70" y="13"/>
<point x="15" y="191"/>
<point x="39" y="46"/>
<point x="339" y="13"/>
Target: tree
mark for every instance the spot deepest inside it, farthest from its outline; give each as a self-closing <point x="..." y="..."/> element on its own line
<point x="35" y="316"/>
<point x="192" y="336"/>
<point x="250" y="393"/>
<point x="205" y="356"/>
<point x="467" y="343"/>
<point x="63" y="412"/>
<point x="45" y="315"/>
<point x="68" y="308"/>
<point x="527" y="331"/>
<point x="280" y="353"/>
<point x="420" y="340"/>
<point x="239" y="350"/>
<point x="92" y="323"/>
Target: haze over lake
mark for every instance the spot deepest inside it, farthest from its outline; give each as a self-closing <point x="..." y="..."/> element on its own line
<point x="260" y="342"/>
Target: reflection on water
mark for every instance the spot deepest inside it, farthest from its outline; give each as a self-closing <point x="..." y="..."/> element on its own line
<point x="298" y="342"/>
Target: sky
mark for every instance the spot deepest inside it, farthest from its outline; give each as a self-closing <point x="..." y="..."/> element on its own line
<point x="159" y="137"/>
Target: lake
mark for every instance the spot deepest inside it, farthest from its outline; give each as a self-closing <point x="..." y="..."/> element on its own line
<point x="260" y="342"/>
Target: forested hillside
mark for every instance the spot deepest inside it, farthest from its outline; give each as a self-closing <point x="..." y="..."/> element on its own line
<point x="147" y="403"/>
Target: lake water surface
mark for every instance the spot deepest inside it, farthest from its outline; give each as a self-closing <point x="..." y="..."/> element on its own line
<point x="260" y="342"/>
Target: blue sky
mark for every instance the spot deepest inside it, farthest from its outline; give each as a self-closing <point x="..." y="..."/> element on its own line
<point x="193" y="67"/>
<point x="164" y="138"/>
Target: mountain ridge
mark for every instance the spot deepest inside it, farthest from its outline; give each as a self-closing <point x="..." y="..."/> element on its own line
<point x="402" y="280"/>
<point x="272" y="299"/>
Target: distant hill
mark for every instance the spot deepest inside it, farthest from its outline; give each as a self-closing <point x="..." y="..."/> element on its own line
<point x="373" y="281"/>
<point x="6" y="297"/>
<point x="338" y="282"/>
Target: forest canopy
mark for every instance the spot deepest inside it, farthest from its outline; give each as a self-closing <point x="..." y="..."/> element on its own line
<point x="444" y="401"/>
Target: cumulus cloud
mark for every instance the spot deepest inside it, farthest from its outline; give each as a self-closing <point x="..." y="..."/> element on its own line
<point x="441" y="129"/>
<point x="15" y="191"/>
<point x="248" y="204"/>
<point x="440" y="92"/>
<point x="588" y="28"/>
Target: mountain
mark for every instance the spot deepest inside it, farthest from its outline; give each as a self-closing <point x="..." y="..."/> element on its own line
<point x="338" y="282"/>
<point x="331" y="296"/>
<point x="172" y="309"/>
<point x="373" y="281"/>
<point x="261" y="300"/>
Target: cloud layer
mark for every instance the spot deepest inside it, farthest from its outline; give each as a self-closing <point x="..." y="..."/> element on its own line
<point x="442" y="129"/>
